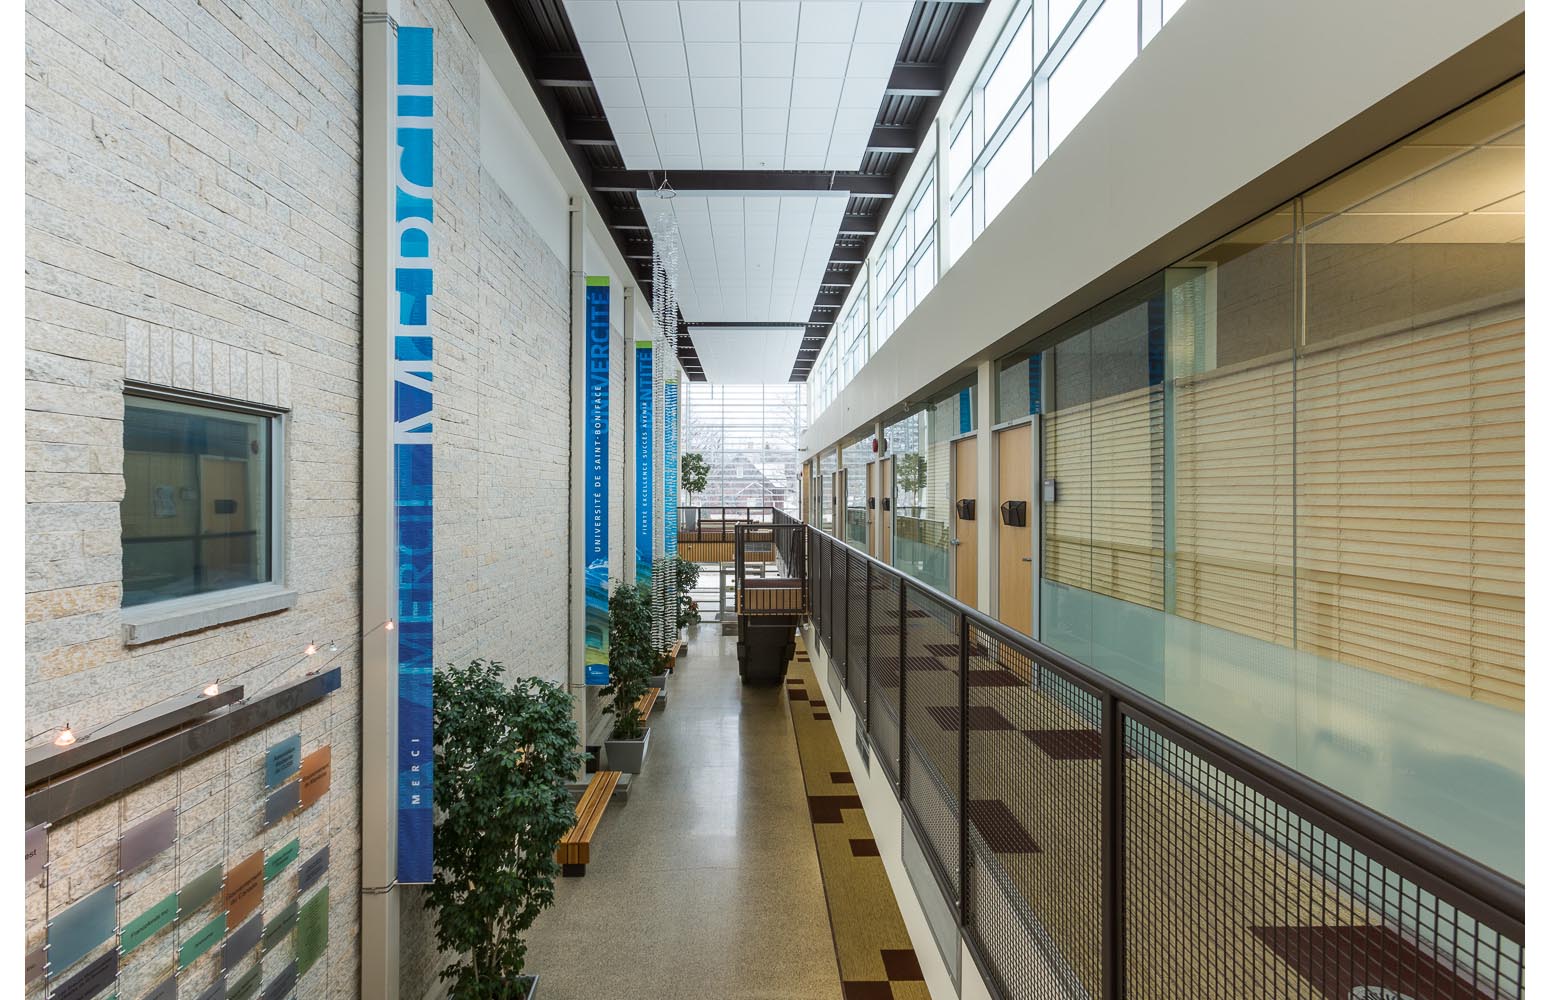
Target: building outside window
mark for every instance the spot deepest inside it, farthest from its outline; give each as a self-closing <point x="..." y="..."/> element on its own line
<point x="908" y="267"/>
<point x="749" y="436"/>
<point x="198" y="499"/>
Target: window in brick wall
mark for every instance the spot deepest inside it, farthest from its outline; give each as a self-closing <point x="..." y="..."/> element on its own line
<point x="199" y="485"/>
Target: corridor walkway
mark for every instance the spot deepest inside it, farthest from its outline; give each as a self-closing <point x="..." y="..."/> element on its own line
<point x="706" y="884"/>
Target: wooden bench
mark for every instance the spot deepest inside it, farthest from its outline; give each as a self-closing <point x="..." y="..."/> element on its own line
<point x="647" y="702"/>
<point x="575" y="848"/>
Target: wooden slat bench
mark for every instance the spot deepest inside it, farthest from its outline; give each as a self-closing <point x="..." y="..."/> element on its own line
<point x="575" y="848"/>
<point x="647" y="702"/>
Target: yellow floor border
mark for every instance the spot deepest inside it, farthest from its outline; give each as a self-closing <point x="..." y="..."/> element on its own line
<point x="876" y="959"/>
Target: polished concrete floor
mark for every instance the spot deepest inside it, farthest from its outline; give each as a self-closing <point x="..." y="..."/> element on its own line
<point x="706" y="883"/>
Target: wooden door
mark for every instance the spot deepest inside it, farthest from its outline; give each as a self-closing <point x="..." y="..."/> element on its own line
<point x="885" y="511"/>
<point x="873" y="508"/>
<point x="1014" y="545"/>
<point x="965" y="535"/>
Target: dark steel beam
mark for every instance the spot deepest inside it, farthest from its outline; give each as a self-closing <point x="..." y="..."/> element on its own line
<point x="917" y="80"/>
<point x="847" y="255"/>
<point x="588" y="131"/>
<point x="688" y="181"/>
<point x="561" y="71"/>
<point x="893" y="139"/>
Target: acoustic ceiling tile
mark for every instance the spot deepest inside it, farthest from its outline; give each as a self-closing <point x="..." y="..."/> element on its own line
<point x="659" y="58"/>
<point x="595" y="20"/>
<point x="651" y="20"/>
<point x="767" y="93"/>
<point x="828" y="21"/>
<point x="666" y="92"/>
<point x="881" y="21"/>
<point x="813" y="92"/>
<point x="854" y="119"/>
<point x="771" y="20"/>
<point x="709" y="21"/>
<point x="672" y="119"/>
<point x="717" y="92"/>
<point x="807" y="144"/>
<point x="822" y="59"/>
<point x="610" y="59"/>
<point x="721" y="143"/>
<point x="714" y="58"/>
<point x="812" y="120"/>
<point x="618" y="91"/>
<point x="765" y="120"/>
<point x="868" y="59"/>
<point x="628" y="120"/>
<point x="768" y="58"/>
<point x="860" y="92"/>
<point x="819" y="162"/>
<point x="719" y="120"/>
<point x="687" y="161"/>
<point x="712" y="161"/>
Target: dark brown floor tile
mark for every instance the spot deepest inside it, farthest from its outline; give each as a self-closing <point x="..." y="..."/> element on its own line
<point x="902" y="965"/>
<point x="864" y="847"/>
<point x="826" y="808"/>
<point x="1001" y="830"/>
<point x="862" y="990"/>
<point x="981" y="717"/>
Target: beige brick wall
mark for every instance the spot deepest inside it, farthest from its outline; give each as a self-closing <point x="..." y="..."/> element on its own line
<point x="192" y="222"/>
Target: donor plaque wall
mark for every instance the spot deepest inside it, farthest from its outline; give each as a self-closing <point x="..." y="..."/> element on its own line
<point x="210" y="881"/>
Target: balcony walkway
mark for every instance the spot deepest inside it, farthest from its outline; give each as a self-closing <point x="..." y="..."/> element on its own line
<point x="707" y="882"/>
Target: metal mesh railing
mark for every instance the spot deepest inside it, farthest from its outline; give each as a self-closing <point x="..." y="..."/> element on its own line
<point x="1098" y="844"/>
<point x="858" y="635"/>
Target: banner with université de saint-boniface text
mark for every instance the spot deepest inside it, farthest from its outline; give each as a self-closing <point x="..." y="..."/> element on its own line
<point x="596" y="473"/>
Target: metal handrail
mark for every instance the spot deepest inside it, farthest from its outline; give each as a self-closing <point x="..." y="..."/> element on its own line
<point x="1473" y="888"/>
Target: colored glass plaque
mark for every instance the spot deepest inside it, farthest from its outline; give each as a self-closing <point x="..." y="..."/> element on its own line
<point x="311" y="870"/>
<point x="312" y="931"/>
<point x="316" y="775"/>
<point x="167" y="989"/>
<point x="144" y="927"/>
<point x="200" y="890"/>
<point x="81" y="928"/>
<point x="244" y="888"/>
<point x="283" y="983"/>
<point x="145" y="840"/>
<point x="280" y="925"/>
<point x="281" y="761"/>
<point x="241" y="941"/>
<point x="246" y="986"/>
<point x="282" y="803"/>
<point x="36" y="959"/>
<point x="201" y="941"/>
<point x="37" y="851"/>
<point x="281" y="860"/>
<point x="215" y="991"/>
<point x="97" y="976"/>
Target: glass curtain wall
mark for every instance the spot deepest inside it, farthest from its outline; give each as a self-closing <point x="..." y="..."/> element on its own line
<point x="749" y="435"/>
<point x="854" y="458"/>
<point x="1288" y="481"/>
<point x="919" y="445"/>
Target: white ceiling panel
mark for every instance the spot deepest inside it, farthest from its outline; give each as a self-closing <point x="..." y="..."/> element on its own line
<point x="749" y="257"/>
<point x="760" y="55"/>
<point x="746" y="355"/>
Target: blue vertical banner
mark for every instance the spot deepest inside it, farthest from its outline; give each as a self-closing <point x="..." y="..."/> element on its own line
<point x="965" y="412"/>
<point x="595" y="545"/>
<point x="670" y="468"/>
<point x="412" y="447"/>
<point x="643" y="491"/>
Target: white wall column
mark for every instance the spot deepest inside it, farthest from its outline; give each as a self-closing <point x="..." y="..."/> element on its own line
<point x="379" y="541"/>
<point x="988" y="516"/>
<point x="576" y="671"/>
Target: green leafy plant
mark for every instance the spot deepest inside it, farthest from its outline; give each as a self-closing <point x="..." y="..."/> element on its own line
<point x="687" y="576"/>
<point x="693" y="474"/>
<point x="502" y="757"/>
<point x="631" y="658"/>
<point x="912" y="472"/>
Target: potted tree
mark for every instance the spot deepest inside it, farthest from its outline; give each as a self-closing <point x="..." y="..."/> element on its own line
<point x="693" y="474"/>
<point x="502" y="757"/>
<point x="631" y="661"/>
<point x="687" y="576"/>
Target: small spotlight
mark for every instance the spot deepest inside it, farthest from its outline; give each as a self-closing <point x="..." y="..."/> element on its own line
<point x="66" y="736"/>
<point x="212" y="689"/>
<point x="333" y="647"/>
<point x="389" y="625"/>
<point x="311" y="649"/>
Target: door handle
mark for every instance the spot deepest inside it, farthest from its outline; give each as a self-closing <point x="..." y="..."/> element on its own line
<point x="955" y="542"/>
<point x="1027" y="558"/>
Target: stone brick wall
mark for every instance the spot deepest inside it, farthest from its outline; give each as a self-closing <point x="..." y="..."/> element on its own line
<point x="192" y="215"/>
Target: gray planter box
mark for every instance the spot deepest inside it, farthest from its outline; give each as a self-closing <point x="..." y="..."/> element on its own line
<point x="628" y="755"/>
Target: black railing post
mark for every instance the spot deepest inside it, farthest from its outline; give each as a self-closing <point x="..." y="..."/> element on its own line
<point x="963" y="770"/>
<point x="1113" y="839"/>
<point x="903" y="745"/>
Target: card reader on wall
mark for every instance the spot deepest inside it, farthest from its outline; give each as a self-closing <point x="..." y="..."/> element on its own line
<point x="887" y="503"/>
<point x="1051" y="491"/>
<point x="966" y="510"/>
<point x="1014" y="513"/>
<point x="871" y="503"/>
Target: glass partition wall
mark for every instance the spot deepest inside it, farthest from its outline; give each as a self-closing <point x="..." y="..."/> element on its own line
<point x="854" y="457"/>
<point x="1284" y="481"/>
<point x="919" y="445"/>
